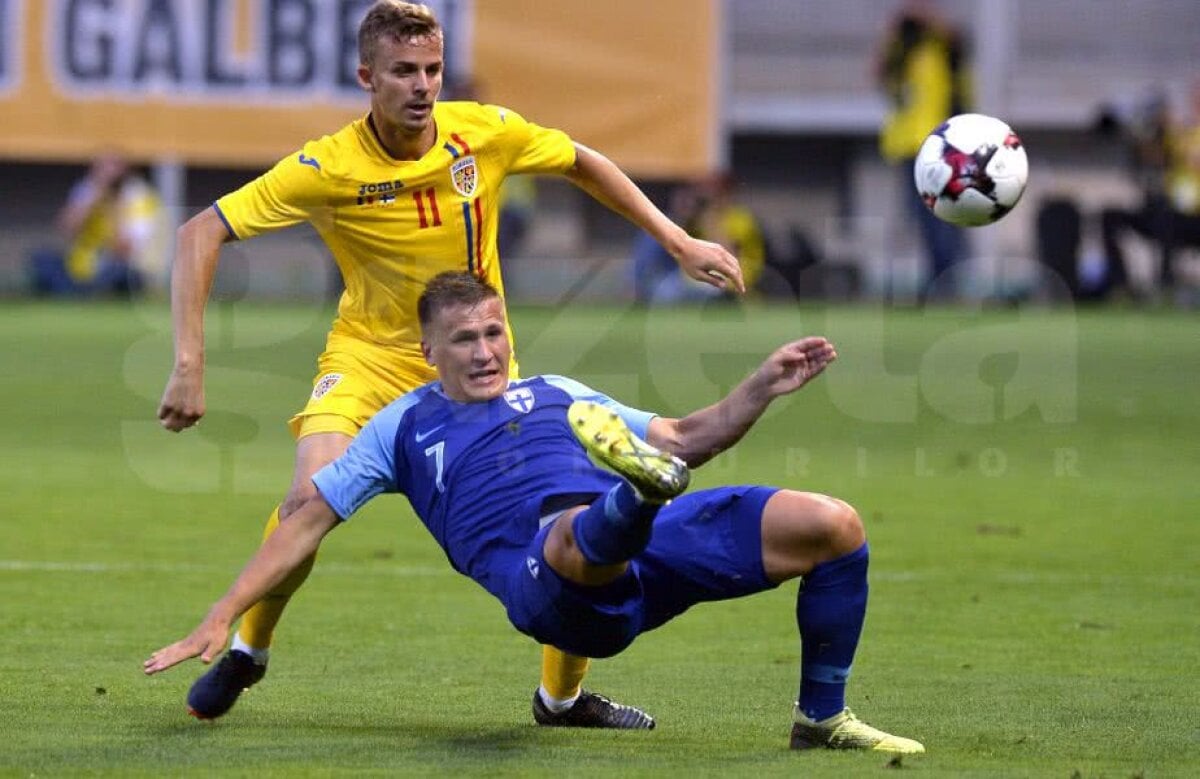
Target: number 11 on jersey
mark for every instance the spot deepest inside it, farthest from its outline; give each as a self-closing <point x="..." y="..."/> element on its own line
<point x="432" y="217"/>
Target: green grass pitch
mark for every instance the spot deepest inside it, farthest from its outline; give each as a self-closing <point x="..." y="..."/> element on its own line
<point x="1028" y="480"/>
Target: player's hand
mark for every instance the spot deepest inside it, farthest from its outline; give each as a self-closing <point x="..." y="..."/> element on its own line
<point x="793" y="365"/>
<point x="711" y="263"/>
<point x="207" y="640"/>
<point x="182" y="402"/>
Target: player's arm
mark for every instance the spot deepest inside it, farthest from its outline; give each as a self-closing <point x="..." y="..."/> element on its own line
<point x="366" y="469"/>
<point x="703" y="434"/>
<point x="291" y="543"/>
<point x="289" y="193"/>
<point x="197" y="249"/>
<point x="701" y="260"/>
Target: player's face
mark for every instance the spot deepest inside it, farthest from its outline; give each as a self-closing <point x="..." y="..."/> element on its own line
<point x="469" y="347"/>
<point x="404" y="80"/>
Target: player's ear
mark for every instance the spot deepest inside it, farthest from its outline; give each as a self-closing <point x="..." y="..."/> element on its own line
<point x="427" y="351"/>
<point x="364" y="78"/>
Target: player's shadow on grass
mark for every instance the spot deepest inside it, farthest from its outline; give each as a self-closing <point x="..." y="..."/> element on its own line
<point x="478" y="741"/>
<point x="398" y="732"/>
<point x="297" y="735"/>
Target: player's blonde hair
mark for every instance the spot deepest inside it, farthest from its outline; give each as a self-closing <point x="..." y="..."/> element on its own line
<point x="452" y="288"/>
<point x="397" y="20"/>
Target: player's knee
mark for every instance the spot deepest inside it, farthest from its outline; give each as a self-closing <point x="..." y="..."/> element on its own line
<point x="844" y="527"/>
<point x="803" y="529"/>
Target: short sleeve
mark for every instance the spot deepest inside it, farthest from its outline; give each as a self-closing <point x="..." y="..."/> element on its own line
<point x="367" y="468"/>
<point x="638" y="420"/>
<point x="293" y="191"/>
<point x="532" y="148"/>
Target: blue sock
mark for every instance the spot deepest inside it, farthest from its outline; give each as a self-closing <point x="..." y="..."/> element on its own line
<point x="830" y="608"/>
<point x="615" y="527"/>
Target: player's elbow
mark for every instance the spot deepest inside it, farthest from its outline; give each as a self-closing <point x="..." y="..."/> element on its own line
<point x="671" y="435"/>
<point x="313" y="521"/>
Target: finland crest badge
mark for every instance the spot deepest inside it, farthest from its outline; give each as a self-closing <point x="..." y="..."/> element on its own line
<point x="520" y="399"/>
<point x="464" y="176"/>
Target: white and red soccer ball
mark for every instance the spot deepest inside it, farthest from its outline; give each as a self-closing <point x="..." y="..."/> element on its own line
<point x="971" y="170"/>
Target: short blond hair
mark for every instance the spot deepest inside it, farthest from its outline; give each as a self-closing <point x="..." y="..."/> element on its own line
<point x="397" y="20"/>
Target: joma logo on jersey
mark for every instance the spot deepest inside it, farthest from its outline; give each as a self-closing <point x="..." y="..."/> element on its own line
<point x="383" y="192"/>
<point x="464" y="177"/>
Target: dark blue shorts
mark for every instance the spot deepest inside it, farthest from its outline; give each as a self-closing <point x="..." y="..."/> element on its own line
<point x="706" y="546"/>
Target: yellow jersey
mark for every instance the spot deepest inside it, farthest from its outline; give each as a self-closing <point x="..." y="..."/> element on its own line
<point x="927" y="98"/>
<point x="392" y="225"/>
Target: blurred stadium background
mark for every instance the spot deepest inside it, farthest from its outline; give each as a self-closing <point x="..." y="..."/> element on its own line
<point x="208" y="93"/>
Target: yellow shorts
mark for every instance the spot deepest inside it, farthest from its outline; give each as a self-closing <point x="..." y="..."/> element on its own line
<point x="354" y="381"/>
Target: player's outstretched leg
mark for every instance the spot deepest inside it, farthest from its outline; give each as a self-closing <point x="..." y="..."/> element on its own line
<point x="617" y="525"/>
<point x="591" y="711"/>
<point x="656" y="475"/>
<point x="216" y="691"/>
<point x="830" y="608"/>
<point x="846" y="731"/>
<point x="612" y="530"/>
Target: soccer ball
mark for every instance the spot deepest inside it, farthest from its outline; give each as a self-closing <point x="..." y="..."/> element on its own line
<point x="971" y="170"/>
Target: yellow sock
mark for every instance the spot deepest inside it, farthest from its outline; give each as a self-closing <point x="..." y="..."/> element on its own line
<point x="258" y="624"/>
<point x="562" y="674"/>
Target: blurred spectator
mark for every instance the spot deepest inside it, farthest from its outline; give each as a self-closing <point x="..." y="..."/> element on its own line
<point x="1167" y="166"/>
<point x="921" y="66"/>
<point x="111" y="219"/>
<point x="707" y="210"/>
<point x="725" y="221"/>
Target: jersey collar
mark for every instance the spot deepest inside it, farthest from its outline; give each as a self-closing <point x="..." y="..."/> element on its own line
<point x="376" y="144"/>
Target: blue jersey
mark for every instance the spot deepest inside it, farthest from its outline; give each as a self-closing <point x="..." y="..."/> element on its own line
<point x="479" y="475"/>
